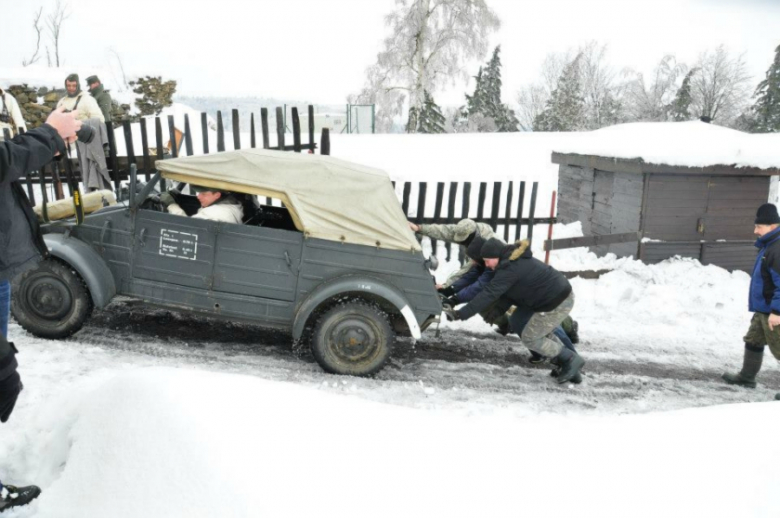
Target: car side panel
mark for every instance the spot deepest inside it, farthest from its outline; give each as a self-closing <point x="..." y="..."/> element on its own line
<point x="257" y="261"/>
<point x="323" y="260"/>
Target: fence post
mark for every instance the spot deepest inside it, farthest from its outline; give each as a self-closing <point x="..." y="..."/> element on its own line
<point x="236" y="130"/>
<point x="264" y="127"/>
<point x="296" y="130"/>
<point x="113" y="159"/>
<point x="325" y="142"/>
<point x="311" y="128"/>
<point x="159" y="143"/>
<point x="405" y="200"/>
<point x="172" y="137"/>
<point x="437" y="213"/>
<point x="451" y="213"/>
<point x="481" y="201"/>
<point x="204" y="130"/>
<point x="220" y="133"/>
<point x="520" y="201"/>
<point x="280" y="128"/>
<point x="496" y="206"/>
<point x="508" y="213"/>
<point x="534" y="191"/>
<point x="252" y="137"/>
<point x="187" y="135"/>
<point x="145" y="148"/>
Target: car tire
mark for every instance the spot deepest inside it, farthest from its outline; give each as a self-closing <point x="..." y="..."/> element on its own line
<point x="353" y="338"/>
<point x="51" y="301"/>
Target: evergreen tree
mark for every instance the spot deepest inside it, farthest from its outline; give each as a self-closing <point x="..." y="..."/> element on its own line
<point x="766" y="110"/>
<point x="565" y="109"/>
<point x="428" y="119"/>
<point x="155" y="94"/>
<point x="680" y="107"/>
<point x="486" y="103"/>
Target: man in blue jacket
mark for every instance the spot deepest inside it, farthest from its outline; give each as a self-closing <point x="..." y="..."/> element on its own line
<point x="763" y="299"/>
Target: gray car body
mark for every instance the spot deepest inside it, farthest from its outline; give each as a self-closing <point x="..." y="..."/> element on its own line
<point x="265" y="276"/>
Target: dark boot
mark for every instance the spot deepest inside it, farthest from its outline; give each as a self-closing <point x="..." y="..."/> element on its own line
<point x="12" y="496"/>
<point x="751" y="365"/>
<point x="576" y="379"/>
<point x="536" y="358"/>
<point x="570" y="364"/>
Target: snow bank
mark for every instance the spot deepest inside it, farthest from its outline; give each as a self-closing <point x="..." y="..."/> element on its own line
<point x="175" y="442"/>
<point x="690" y="144"/>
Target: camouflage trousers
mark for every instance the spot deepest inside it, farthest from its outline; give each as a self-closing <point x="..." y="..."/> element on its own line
<point x="538" y="334"/>
<point x="760" y="334"/>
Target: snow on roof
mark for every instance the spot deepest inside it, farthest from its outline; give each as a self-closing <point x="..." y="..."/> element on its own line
<point x="687" y="144"/>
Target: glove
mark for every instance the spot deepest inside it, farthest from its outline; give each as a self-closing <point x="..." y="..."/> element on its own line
<point x="451" y="301"/>
<point x="10" y="388"/>
<point x="451" y="314"/>
<point x="167" y="198"/>
<point x="447" y="292"/>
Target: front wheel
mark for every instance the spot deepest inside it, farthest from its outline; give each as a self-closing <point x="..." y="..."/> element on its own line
<point x="353" y="338"/>
<point x="51" y="301"/>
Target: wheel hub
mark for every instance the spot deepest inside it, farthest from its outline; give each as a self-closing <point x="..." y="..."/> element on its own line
<point x="49" y="298"/>
<point x="354" y="340"/>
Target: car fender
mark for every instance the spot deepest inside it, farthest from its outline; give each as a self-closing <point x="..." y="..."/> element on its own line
<point x="352" y="284"/>
<point x="87" y="263"/>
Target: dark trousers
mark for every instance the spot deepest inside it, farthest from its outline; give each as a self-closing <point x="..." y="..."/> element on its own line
<point x="5" y="306"/>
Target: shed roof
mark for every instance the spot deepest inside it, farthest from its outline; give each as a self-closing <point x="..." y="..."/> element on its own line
<point x="673" y="147"/>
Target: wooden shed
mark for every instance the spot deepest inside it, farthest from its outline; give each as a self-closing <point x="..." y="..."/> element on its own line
<point x="704" y="211"/>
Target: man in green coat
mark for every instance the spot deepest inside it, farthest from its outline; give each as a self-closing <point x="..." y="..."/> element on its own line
<point x="102" y="97"/>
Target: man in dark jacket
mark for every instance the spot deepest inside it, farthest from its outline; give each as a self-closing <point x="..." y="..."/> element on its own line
<point x="536" y="289"/>
<point x="101" y="95"/>
<point x="23" y="248"/>
<point x="763" y="299"/>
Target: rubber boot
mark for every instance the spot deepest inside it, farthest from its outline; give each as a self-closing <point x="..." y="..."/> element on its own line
<point x="570" y="364"/>
<point x="751" y="364"/>
<point x="577" y="379"/>
<point x="12" y="496"/>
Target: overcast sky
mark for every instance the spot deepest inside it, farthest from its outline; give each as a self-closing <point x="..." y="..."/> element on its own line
<point x="318" y="50"/>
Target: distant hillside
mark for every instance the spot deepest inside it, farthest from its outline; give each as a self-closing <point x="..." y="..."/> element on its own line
<point x="248" y="105"/>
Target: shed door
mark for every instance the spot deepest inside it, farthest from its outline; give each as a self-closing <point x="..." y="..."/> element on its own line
<point x="674" y="207"/>
<point x="695" y="208"/>
<point x="732" y="204"/>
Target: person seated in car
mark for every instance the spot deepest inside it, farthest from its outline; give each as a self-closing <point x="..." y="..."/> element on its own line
<point x="215" y="205"/>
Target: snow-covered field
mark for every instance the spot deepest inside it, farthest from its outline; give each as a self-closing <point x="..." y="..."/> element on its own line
<point x="150" y="413"/>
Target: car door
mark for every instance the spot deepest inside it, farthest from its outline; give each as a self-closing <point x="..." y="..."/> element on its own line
<point x="174" y="249"/>
<point x="257" y="261"/>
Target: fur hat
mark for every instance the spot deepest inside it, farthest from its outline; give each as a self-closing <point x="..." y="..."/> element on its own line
<point x="492" y="248"/>
<point x="767" y="215"/>
<point x="464" y="229"/>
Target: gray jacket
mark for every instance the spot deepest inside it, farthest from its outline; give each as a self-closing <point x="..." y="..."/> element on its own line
<point x="21" y="243"/>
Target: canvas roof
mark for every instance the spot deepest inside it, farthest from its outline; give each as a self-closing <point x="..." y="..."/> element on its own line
<point x="328" y="198"/>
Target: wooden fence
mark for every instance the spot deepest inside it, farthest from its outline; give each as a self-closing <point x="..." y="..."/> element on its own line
<point x="504" y="212"/>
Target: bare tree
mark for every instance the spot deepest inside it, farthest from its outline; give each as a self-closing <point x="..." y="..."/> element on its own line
<point x="38" y="30"/>
<point x="653" y="102"/>
<point x="54" y="23"/>
<point x="430" y="41"/>
<point x="720" y="89"/>
<point x="121" y="66"/>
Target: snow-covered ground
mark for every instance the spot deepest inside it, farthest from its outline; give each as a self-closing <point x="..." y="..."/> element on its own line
<point x="151" y="413"/>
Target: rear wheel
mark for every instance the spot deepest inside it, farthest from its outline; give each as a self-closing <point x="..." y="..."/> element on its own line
<point x="51" y="301"/>
<point x="354" y="338"/>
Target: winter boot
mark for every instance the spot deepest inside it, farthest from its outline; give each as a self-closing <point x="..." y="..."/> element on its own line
<point x="12" y="496"/>
<point x="751" y="364"/>
<point x="577" y="379"/>
<point x="572" y="328"/>
<point x="536" y="358"/>
<point x="570" y="364"/>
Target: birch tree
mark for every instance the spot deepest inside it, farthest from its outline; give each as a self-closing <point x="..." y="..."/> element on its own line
<point x="429" y="44"/>
<point x="720" y="89"/>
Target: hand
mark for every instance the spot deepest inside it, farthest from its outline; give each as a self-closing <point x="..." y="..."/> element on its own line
<point x="447" y="292"/>
<point x="167" y="198"/>
<point x="414" y="227"/>
<point x="451" y="314"/>
<point x="774" y="320"/>
<point x="10" y="388"/>
<point x="66" y="124"/>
